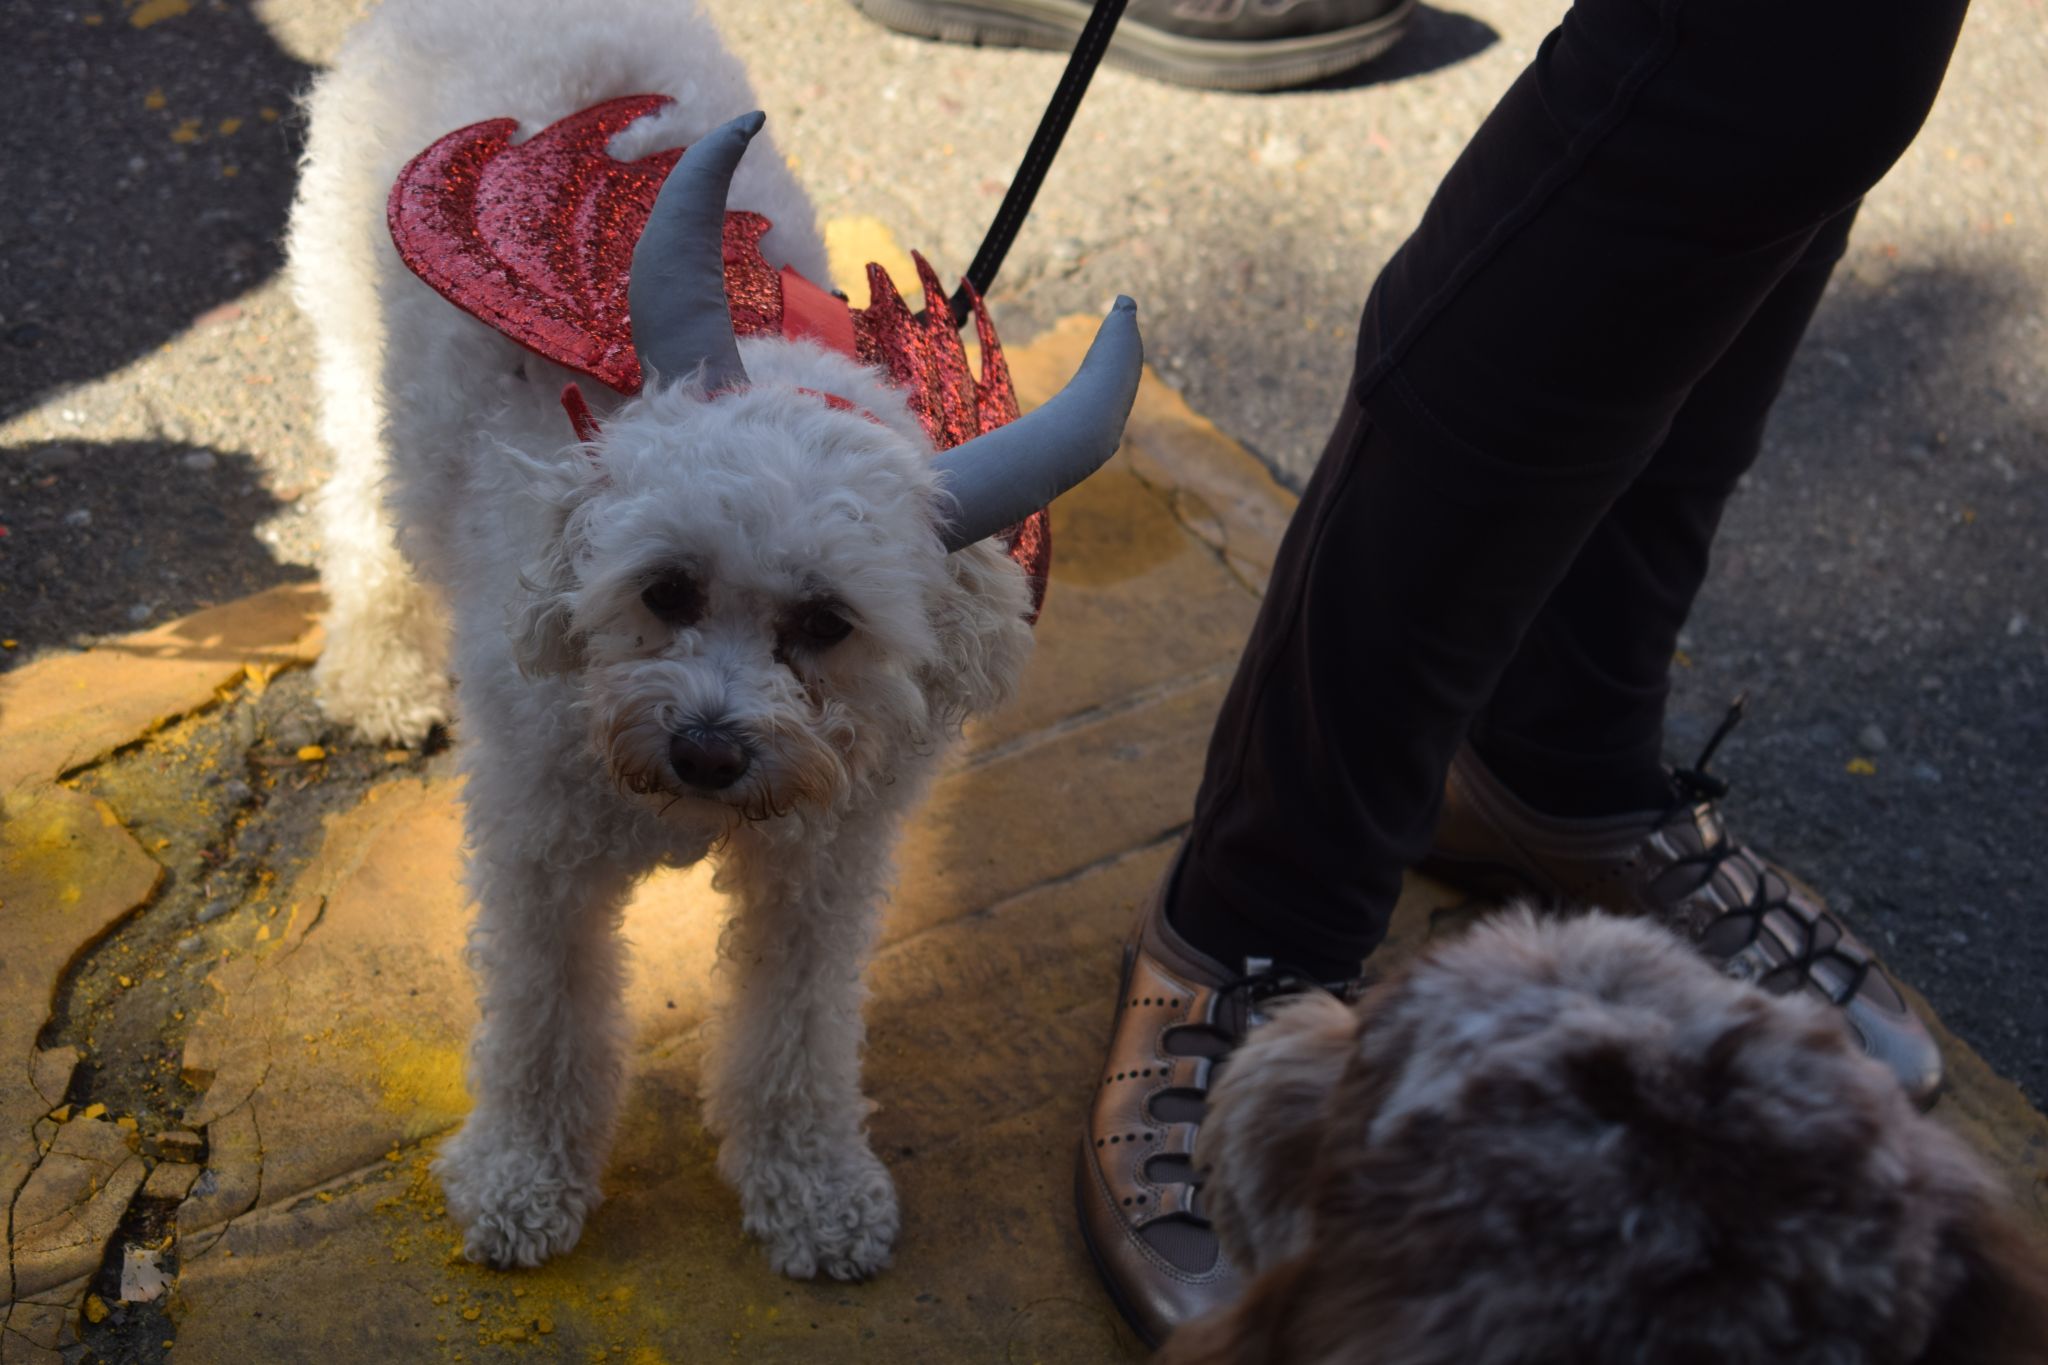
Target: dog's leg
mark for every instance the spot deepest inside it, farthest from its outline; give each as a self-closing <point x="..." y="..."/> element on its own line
<point x="784" y="1086"/>
<point x="383" y="670"/>
<point x="546" y="1067"/>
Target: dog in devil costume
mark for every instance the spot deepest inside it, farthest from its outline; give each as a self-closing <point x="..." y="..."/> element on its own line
<point x="731" y="603"/>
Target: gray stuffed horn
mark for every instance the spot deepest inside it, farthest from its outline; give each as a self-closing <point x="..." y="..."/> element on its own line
<point x="1003" y="476"/>
<point x="676" y="297"/>
<point x="676" y="293"/>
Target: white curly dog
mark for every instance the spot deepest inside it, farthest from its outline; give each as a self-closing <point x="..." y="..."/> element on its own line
<point x="741" y="620"/>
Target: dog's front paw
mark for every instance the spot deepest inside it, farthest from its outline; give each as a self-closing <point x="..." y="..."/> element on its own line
<point x="835" y="1216"/>
<point x="383" y="671"/>
<point x="517" y="1206"/>
<point x="396" y="699"/>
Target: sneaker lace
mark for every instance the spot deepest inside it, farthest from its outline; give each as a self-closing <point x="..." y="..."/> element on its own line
<point x="1820" y="934"/>
<point x="1238" y="1011"/>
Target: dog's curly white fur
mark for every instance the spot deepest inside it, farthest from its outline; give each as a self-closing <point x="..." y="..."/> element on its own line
<point x="764" y="508"/>
<point x="1572" y="1140"/>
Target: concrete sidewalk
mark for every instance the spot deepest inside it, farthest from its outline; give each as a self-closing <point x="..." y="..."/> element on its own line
<point x="232" y="1005"/>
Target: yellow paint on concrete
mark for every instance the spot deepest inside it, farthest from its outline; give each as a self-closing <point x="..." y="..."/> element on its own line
<point x="479" y="1307"/>
<point x="850" y="243"/>
<point x="1117" y="530"/>
<point x="420" y="1081"/>
<point x="44" y="855"/>
<point x="156" y="11"/>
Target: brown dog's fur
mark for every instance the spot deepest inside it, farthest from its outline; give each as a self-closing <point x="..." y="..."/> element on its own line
<point x="1571" y="1142"/>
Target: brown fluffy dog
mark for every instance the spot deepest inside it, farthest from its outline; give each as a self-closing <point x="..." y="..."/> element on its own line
<point x="1571" y="1142"/>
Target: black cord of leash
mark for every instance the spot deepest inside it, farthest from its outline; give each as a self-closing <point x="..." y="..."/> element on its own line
<point x="1045" y="144"/>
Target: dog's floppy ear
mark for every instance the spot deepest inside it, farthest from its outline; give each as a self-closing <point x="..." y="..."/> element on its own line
<point x="544" y="642"/>
<point x="542" y="625"/>
<point x="978" y="614"/>
<point x="1998" y="1314"/>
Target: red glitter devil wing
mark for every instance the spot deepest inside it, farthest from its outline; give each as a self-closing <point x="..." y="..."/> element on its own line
<point x="536" y="239"/>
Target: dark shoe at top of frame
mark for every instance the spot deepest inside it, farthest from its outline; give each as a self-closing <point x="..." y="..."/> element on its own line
<point x="1680" y="865"/>
<point x="1215" y="44"/>
<point x="1179" y="1014"/>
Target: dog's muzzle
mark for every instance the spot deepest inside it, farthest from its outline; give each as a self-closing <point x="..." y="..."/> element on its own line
<point x="708" y="757"/>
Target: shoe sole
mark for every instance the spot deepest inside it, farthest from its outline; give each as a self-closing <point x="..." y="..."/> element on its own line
<point x="1207" y="63"/>
<point x="1082" y="1165"/>
<point x="1116" y="1297"/>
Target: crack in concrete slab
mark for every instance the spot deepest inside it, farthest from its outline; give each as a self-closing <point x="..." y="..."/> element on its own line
<point x="255" y="1204"/>
<point x="1120" y="705"/>
<point x="235" y="688"/>
<point x="1169" y="839"/>
<point x="1215" y="544"/>
<point x="237" y="823"/>
<point x="81" y="1205"/>
<point x="14" y="1197"/>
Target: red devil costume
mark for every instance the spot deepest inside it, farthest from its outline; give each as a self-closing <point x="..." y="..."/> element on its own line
<point x="541" y="239"/>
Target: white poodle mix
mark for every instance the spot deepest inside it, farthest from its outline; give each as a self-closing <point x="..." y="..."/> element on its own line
<point x="741" y="620"/>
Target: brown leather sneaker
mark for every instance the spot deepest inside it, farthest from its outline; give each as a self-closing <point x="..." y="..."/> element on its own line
<point x="1179" y="1014"/>
<point x="1681" y="866"/>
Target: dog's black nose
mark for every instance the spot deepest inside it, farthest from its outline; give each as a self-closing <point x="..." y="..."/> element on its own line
<point x="708" y="758"/>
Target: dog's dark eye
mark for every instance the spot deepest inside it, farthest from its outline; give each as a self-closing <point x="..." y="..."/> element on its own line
<point x="674" y="598"/>
<point x="821" y="626"/>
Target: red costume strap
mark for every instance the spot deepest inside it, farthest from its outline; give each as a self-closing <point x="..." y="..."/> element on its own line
<point x="816" y="314"/>
<point x="580" y="416"/>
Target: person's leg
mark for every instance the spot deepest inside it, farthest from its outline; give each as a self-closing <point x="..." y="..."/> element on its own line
<point x="1609" y="234"/>
<point x="1613" y="227"/>
<point x="1562" y="792"/>
<point x="1575" y="727"/>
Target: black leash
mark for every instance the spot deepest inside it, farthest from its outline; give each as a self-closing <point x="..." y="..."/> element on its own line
<point x="1045" y="144"/>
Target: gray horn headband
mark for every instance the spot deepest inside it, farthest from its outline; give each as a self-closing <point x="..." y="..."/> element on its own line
<point x="676" y="297"/>
<point x="676" y="293"/>
<point x="1000" y="478"/>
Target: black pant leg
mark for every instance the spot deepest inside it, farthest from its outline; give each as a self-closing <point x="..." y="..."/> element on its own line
<point x="1576" y="725"/>
<point x="1633" y="200"/>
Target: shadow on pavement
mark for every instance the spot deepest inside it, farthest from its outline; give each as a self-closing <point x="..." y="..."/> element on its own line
<point x="1878" y="589"/>
<point x="147" y="183"/>
<point x="85" y="546"/>
<point x="1437" y="39"/>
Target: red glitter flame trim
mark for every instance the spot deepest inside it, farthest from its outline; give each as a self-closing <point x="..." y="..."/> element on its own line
<point x="536" y="240"/>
